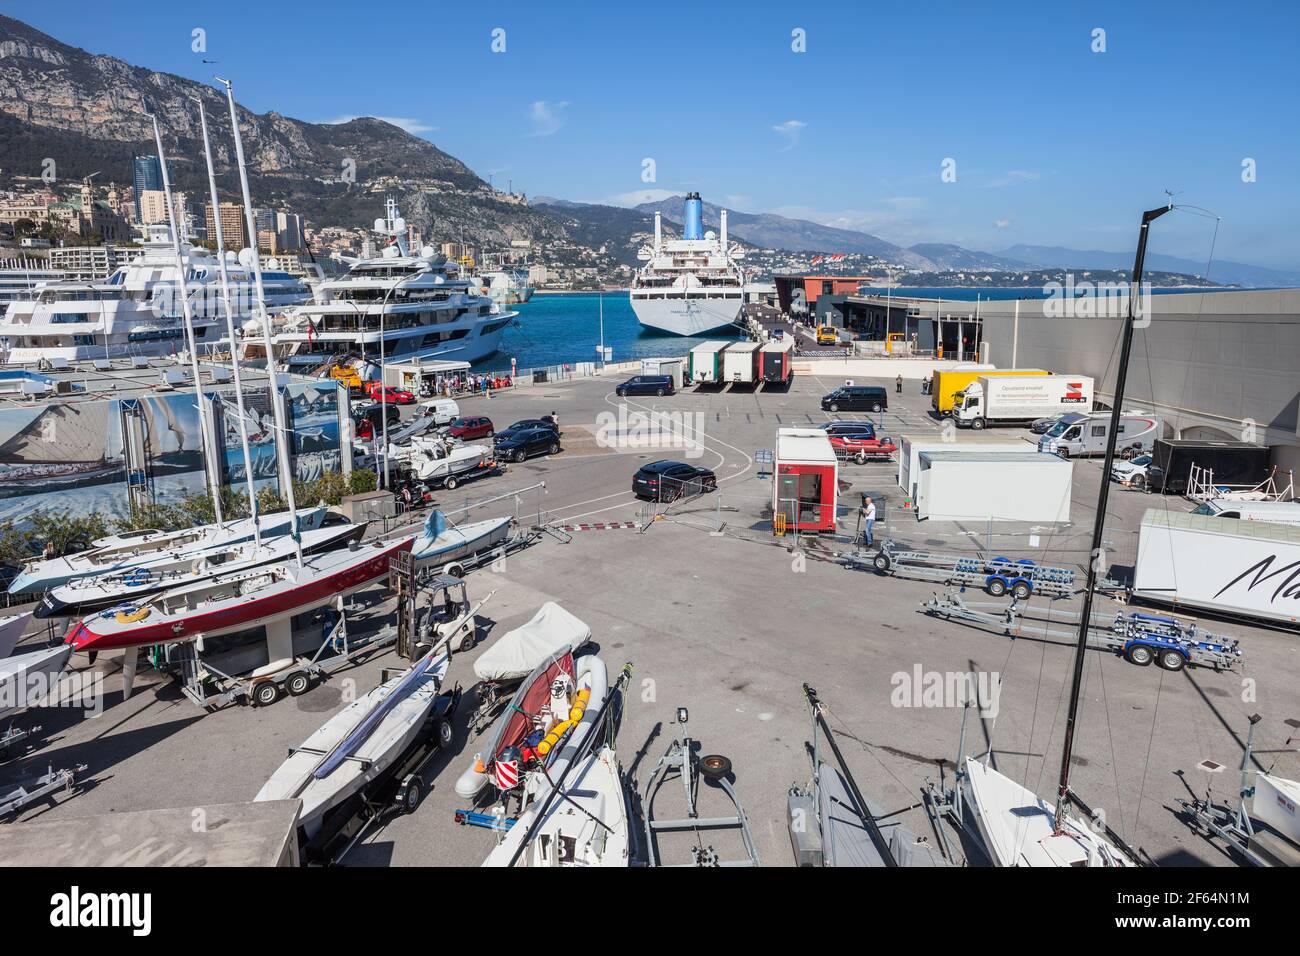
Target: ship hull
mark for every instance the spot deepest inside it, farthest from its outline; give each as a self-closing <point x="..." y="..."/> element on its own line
<point x="688" y="317"/>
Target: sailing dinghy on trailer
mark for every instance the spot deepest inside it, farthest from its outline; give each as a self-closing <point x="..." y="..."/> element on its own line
<point x="121" y="553"/>
<point x="832" y="823"/>
<point x="89" y="594"/>
<point x="361" y="741"/>
<point x="442" y="543"/>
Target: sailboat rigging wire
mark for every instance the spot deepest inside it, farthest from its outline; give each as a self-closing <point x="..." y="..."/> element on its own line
<point x="1146" y="760"/>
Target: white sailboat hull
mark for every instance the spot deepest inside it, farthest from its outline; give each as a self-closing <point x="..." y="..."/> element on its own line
<point x="20" y="673"/>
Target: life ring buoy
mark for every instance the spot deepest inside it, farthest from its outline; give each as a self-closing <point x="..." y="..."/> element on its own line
<point x="126" y="616"/>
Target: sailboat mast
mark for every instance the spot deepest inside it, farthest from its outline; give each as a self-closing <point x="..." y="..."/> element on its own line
<point x="230" y="330"/>
<point x="209" y="453"/>
<point x="1099" y="523"/>
<point x="277" y="403"/>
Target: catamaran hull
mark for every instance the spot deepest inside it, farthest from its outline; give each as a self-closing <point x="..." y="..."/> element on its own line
<point x="691" y="316"/>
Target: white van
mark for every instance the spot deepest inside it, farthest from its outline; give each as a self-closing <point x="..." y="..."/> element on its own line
<point x="441" y="410"/>
<point x="1270" y="512"/>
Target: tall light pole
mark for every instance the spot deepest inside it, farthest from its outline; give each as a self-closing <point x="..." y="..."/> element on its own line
<point x="277" y="402"/>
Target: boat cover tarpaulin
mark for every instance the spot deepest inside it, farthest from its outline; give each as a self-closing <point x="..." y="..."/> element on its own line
<point x="552" y="631"/>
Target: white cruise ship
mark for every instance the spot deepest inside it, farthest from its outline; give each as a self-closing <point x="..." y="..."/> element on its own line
<point x="136" y="310"/>
<point x="692" y="285"/>
<point x="418" y="306"/>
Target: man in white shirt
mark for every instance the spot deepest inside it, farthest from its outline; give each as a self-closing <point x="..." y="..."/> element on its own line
<point x="868" y="518"/>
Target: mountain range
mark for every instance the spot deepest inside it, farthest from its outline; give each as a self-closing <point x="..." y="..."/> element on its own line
<point x="87" y="113"/>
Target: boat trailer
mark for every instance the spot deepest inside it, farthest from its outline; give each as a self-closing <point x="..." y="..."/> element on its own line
<point x="38" y="788"/>
<point x="1141" y="639"/>
<point x="682" y="759"/>
<point x="998" y="576"/>
<point x="1233" y="825"/>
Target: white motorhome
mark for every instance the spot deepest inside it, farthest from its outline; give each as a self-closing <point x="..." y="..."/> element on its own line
<point x="1084" y="433"/>
<point x="1224" y="565"/>
<point x="1019" y="399"/>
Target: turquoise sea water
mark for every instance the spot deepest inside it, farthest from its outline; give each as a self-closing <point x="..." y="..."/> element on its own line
<point x="563" y="329"/>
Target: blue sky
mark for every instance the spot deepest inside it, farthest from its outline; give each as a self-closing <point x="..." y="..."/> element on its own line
<point x="1053" y="143"/>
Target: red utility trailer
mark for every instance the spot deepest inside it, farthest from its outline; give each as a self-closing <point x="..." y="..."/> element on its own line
<point x="805" y="481"/>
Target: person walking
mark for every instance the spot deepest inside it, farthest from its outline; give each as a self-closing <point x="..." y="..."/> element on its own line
<point x="868" y="512"/>
<point x="898" y="385"/>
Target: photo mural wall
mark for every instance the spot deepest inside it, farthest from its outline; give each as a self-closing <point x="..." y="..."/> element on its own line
<point x="87" y="457"/>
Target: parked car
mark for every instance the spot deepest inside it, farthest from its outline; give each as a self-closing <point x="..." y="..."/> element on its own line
<point x="668" y="480"/>
<point x="857" y="429"/>
<point x="468" y="428"/>
<point x="528" y="442"/>
<point x="526" y="425"/>
<point x="856" y="398"/>
<point x="1133" y="472"/>
<point x="389" y="395"/>
<point x="646" y="385"/>
<point x="1041" y="426"/>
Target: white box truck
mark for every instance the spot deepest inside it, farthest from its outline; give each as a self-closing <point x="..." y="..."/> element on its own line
<point x="1018" y="400"/>
<point x="982" y="486"/>
<point x="1224" y="565"/>
<point x="740" y="363"/>
<point x="911" y="446"/>
<point x="1080" y="434"/>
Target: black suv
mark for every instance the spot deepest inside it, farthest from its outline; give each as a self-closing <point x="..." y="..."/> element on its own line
<point x="528" y="442"/>
<point x="528" y="424"/>
<point x="856" y="398"/>
<point x="646" y="385"/>
<point x="669" y="480"/>
<point x="864" y="430"/>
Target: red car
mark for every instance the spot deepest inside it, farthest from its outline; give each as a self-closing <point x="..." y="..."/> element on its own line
<point x="862" y="449"/>
<point x="392" y="396"/>
<point x="468" y="428"/>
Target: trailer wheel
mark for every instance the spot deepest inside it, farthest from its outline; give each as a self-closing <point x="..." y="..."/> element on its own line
<point x="1021" y="590"/>
<point x="715" y="766"/>
<point x="455" y="569"/>
<point x="266" y="693"/>
<point x="1171" y="660"/>
<point x="298" y="683"/>
<point x="1139" y="654"/>
<point x="997" y="587"/>
<point x="444" y="734"/>
<point x="881" y="562"/>
<point x="466" y="643"/>
<point x="451" y="482"/>
<point x="860" y="458"/>
<point x="409" y="794"/>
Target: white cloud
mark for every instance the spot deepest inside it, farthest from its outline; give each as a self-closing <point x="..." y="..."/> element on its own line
<point x="1014" y="177"/>
<point x="413" y="126"/>
<point x="1002" y="223"/>
<point x="637" y="198"/>
<point x="547" y="117"/>
<point x="789" y="130"/>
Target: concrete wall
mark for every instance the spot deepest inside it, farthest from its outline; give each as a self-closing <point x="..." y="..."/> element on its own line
<point x="1211" y="363"/>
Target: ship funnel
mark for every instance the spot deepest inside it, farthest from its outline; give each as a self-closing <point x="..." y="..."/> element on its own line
<point x="694" y="217"/>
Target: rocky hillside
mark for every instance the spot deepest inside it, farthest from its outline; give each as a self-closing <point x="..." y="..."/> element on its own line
<point x="87" y="112"/>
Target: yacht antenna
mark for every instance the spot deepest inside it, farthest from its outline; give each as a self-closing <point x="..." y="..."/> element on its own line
<point x="230" y="330"/>
<point x="1099" y="524"/>
<point x="277" y="397"/>
<point x="205" y="439"/>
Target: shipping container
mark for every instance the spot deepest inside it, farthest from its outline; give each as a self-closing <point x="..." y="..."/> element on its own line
<point x="1018" y="400"/>
<point x="1224" y="565"/>
<point x="911" y="446"/>
<point x="805" y="481"/>
<point x="948" y="382"/>
<point x="705" y="362"/>
<point x="1081" y="434"/>
<point x="993" y="486"/>
<point x="740" y="363"/>
<point x="775" y="361"/>
<point x="674" y="368"/>
<point x="1236" y="463"/>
